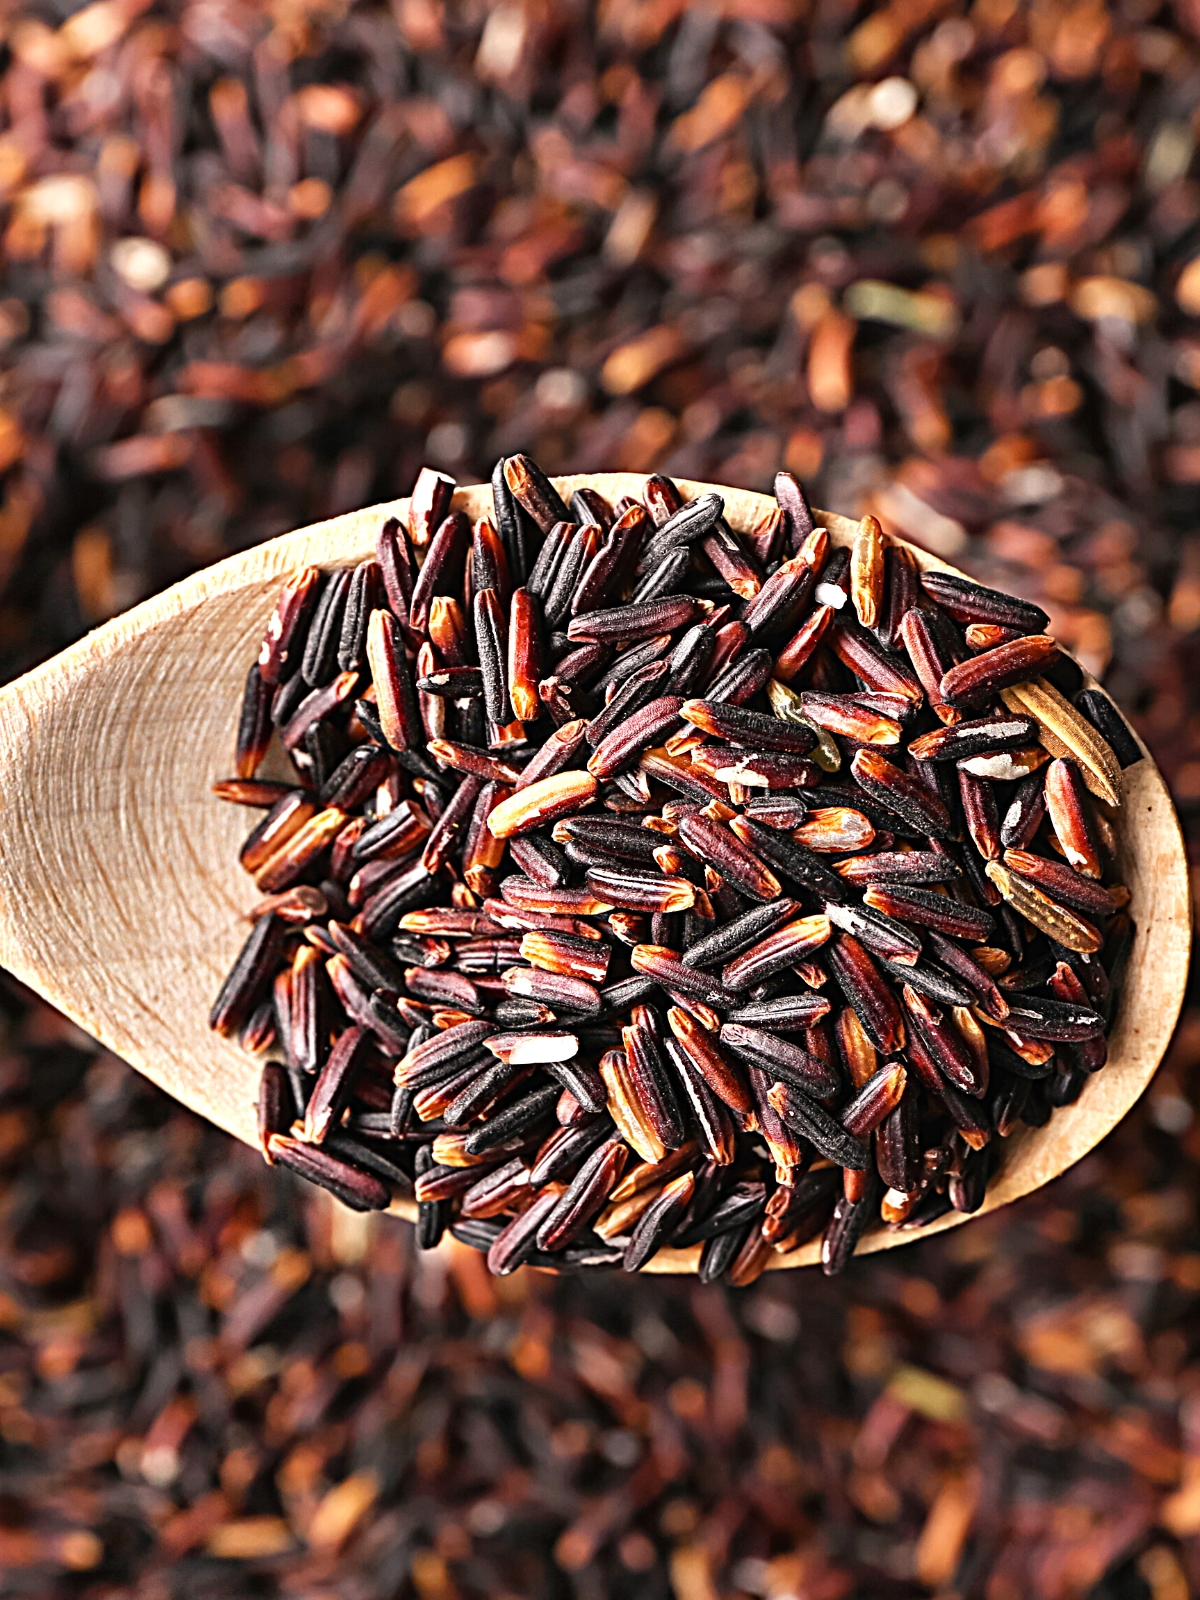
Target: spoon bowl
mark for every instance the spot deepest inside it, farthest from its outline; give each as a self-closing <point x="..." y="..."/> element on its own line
<point x="122" y="902"/>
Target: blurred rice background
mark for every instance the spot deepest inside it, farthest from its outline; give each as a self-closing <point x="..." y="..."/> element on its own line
<point x="261" y="262"/>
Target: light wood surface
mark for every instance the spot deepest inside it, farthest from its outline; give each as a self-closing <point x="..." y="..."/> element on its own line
<point x="121" y="900"/>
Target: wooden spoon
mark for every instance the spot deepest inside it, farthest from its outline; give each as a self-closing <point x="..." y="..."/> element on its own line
<point x="121" y="900"/>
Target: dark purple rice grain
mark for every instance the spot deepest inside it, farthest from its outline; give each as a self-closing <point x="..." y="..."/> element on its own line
<point x="364" y="594"/>
<point x="358" y="774"/>
<point x="534" y="491"/>
<point x="846" y="1228"/>
<point x="652" y="1084"/>
<point x="1110" y="725"/>
<point x="833" y="582"/>
<point x="744" y="1204"/>
<point x="663" y="579"/>
<point x="882" y="934"/>
<point x="584" y="1197"/>
<point x="689" y="660"/>
<point x="319" y="662"/>
<point x="930" y="981"/>
<point x="397" y="567"/>
<point x="514" y="526"/>
<point x="967" y="601"/>
<point x="559" y="599"/>
<point x="516" y="1242"/>
<point x="433" y="1217"/>
<point x="324" y="748"/>
<point x="966" y="1188"/>
<point x="360" y="1152"/>
<point x="813" y="1123"/>
<point x="785" y="1013"/>
<point x="780" y="1058"/>
<point x="635" y="691"/>
<point x="542" y="574"/>
<point x="720" y="946"/>
<point x="690" y="522"/>
<point x="741" y="680"/>
<point x="772" y="615"/>
<point x="518" y="1118"/>
<point x="485" y="1087"/>
<point x="336" y="1083"/>
<point x="361" y="1191"/>
<point x="793" y="502"/>
<point x="250" y="976"/>
<point x="254" y="724"/>
<point x="653" y="1227"/>
<point x="719" y="1254"/>
<point x="374" y="968"/>
<point x="793" y="861"/>
<point x="897" y="1152"/>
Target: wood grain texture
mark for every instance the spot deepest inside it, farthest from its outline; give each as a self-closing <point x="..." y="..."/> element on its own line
<point x="121" y="901"/>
